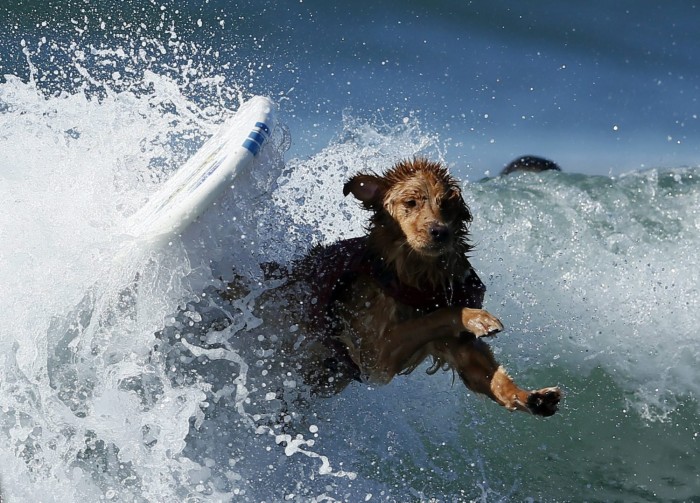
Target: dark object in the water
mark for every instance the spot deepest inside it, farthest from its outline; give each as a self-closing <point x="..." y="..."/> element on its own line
<point x="530" y="163"/>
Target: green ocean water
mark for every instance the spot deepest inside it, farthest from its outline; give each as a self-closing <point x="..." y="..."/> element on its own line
<point x="160" y="391"/>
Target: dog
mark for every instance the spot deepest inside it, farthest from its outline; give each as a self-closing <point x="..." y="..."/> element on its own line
<point x="377" y="306"/>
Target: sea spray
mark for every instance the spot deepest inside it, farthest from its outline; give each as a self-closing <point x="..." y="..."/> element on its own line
<point x="614" y="254"/>
<point x="144" y="383"/>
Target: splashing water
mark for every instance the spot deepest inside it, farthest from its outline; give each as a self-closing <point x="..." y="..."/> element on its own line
<point x="139" y="382"/>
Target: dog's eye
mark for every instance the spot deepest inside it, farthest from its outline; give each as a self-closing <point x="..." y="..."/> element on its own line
<point x="410" y="203"/>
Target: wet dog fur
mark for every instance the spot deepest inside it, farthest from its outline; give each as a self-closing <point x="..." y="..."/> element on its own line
<point x="378" y="306"/>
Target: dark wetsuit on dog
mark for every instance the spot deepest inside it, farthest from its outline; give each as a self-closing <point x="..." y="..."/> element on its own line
<point x="329" y="270"/>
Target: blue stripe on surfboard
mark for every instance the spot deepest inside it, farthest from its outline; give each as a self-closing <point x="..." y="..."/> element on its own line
<point x="252" y="146"/>
<point x="263" y="126"/>
<point x="256" y="138"/>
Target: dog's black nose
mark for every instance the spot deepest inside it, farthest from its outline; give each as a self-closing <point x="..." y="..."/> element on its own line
<point x="439" y="232"/>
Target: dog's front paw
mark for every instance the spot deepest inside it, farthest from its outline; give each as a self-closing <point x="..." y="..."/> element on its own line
<point x="544" y="402"/>
<point x="480" y="323"/>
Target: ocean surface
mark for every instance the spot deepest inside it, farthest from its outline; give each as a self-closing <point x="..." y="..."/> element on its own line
<point x="126" y="377"/>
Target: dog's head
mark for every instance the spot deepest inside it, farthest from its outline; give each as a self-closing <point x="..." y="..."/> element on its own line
<point x="416" y="203"/>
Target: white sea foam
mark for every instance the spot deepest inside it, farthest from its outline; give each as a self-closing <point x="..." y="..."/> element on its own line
<point x="116" y="388"/>
<point x="76" y="371"/>
<point x="607" y="266"/>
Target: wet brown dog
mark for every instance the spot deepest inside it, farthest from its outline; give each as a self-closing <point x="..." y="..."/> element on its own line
<point x="379" y="305"/>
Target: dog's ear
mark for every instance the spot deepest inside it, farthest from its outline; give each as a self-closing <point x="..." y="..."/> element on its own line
<point x="369" y="189"/>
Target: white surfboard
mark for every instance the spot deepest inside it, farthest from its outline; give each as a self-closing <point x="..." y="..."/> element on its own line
<point x="182" y="198"/>
<point x="205" y="176"/>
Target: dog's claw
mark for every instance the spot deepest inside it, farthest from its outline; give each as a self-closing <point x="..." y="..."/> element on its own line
<point x="493" y="332"/>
